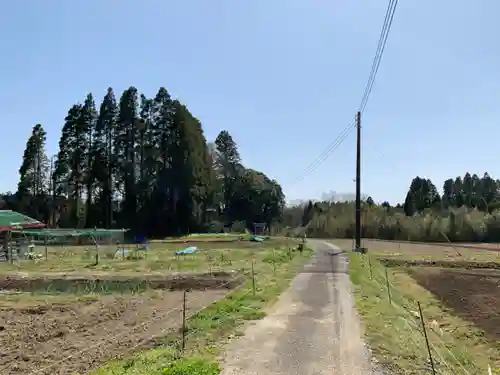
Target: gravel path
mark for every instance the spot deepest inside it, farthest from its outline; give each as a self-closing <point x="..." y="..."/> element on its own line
<point x="312" y="330"/>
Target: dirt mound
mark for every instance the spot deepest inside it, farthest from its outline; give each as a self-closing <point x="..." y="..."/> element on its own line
<point x="73" y="283"/>
<point x="390" y="262"/>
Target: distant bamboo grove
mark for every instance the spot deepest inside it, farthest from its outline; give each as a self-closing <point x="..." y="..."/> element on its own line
<point x="468" y="210"/>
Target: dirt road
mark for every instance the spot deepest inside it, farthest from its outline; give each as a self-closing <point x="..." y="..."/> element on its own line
<point x="312" y="330"/>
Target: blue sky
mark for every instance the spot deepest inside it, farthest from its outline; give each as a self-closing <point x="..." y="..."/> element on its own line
<point x="285" y="77"/>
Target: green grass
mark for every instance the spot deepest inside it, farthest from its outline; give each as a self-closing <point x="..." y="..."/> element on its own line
<point x="160" y="259"/>
<point x="192" y="366"/>
<point x="214" y="327"/>
<point x="214" y="235"/>
<point x="210" y="237"/>
<point x="394" y="331"/>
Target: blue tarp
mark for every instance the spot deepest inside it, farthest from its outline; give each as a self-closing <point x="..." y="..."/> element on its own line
<point x="257" y="239"/>
<point x="140" y="239"/>
<point x="187" y="250"/>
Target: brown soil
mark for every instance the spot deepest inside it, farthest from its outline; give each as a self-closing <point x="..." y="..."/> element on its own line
<point x="111" y="283"/>
<point x="76" y="338"/>
<point x="481" y="252"/>
<point x="392" y="262"/>
<point x="473" y="294"/>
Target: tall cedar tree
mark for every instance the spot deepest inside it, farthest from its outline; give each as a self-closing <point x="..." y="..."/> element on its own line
<point x="103" y="166"/>
<point x="125" y="152"/>
<point x="88" y="118"/>
<point x="228" y="166"/>
<point x="33" y="183"/>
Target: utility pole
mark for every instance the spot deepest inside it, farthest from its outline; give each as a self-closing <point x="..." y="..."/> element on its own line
<point x="52" y="193"/>
<point x="109" y="170"/>
<point x="358" y="183"/>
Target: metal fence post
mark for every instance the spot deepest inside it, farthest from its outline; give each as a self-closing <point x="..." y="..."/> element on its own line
<point x="426" y="339"/>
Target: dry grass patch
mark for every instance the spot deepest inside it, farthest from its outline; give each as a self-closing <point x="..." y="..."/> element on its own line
<point x="427" y="252"/>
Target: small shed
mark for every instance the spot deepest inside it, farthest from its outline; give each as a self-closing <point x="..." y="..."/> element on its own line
<point x="12" y="220"/>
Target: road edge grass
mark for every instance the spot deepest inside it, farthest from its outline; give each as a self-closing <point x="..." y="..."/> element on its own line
<point x="394" y="333"/>
<point x="210" y="330"/>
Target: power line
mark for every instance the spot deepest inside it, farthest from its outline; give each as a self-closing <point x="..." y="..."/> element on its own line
<point x="327" y="152"/>
<point x="335" y="144"/>
<point x="331" y="148"/>
<point x="386" y="28"/>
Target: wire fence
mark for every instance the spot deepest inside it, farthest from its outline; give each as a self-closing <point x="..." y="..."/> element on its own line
<point x="178" y="331"/>
<point x="138" y="257"/>
<point x="444" y="355"/>
<point x="182" y="328"/>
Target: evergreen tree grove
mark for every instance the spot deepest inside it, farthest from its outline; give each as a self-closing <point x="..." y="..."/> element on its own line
<point x="145" y="164"/>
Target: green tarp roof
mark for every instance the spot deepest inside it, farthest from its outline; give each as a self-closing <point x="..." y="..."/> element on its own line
<point x="10" y="220"/>
<point x="70" y="232"/>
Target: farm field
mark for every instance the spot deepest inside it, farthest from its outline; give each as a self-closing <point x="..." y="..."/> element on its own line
<point x="429" y="252"/>
<point x="35" y="338"/>
<point x="471" y="294"/>
<point x="213" y="255"/>
<point x="458" y="288"/>
<point x="66" y="315"/>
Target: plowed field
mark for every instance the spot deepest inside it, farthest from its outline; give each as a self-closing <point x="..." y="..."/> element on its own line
<point x="74" y="338"/>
